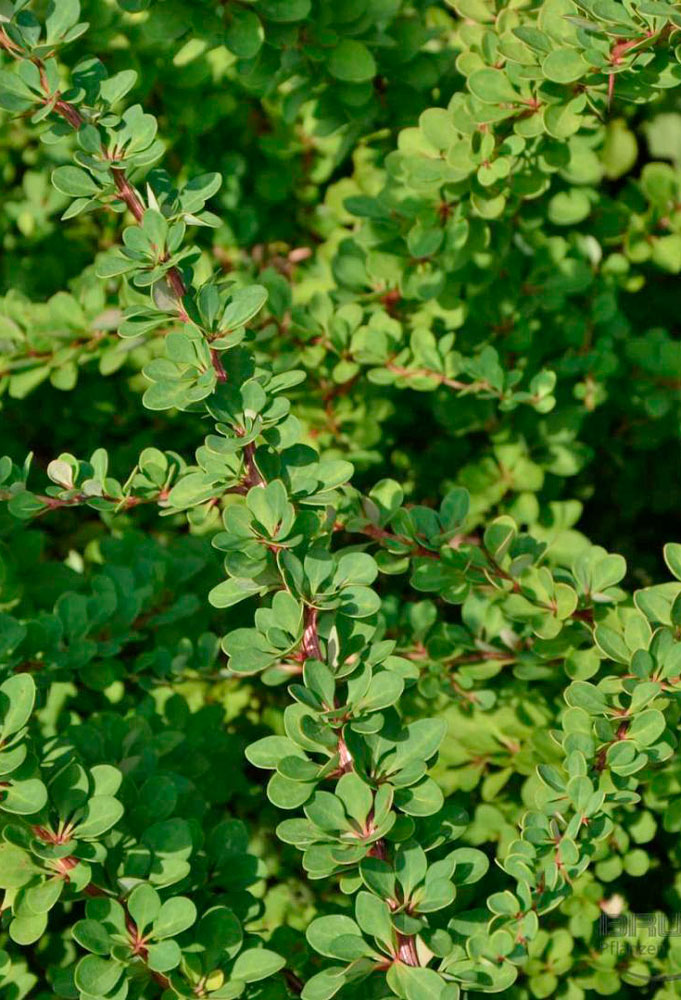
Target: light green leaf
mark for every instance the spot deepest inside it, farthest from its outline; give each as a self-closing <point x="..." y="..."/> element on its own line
<point x="352" y="62"/>
<point x="75" y="182"/>
<point x="256" y="964"/>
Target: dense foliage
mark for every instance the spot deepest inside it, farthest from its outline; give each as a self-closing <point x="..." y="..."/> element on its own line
<point x="331" y="333"/>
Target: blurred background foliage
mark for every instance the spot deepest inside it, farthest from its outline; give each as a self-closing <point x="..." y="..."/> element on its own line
<point x="582" y="280"/>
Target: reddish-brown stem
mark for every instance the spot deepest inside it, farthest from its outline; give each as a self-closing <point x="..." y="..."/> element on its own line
<point x="94" y="891"/>
<point x="252" y="477"/>
<point x="406" y="949"/>
<point x="127" y="193"/>
<point x="311" y="647"/>
<point x="292" y="981"/>
<point x="68" y="112"/>
<point x="345" y="762"/>
<point x="137" y="942"/>
<point x="616" y="53"/>
<point x="381" y="535"/>
<point x="134" y="203"/>
<point x="451" y="383"/>
<point x="56" y="503"/>
<point x="131" y="199"/>
<point x="482" y="656"/>
<point x="378" y="850"/>
<point x="406" y="944"/>
<point x="220" y="372"/>
<point x="7" y="44"/>
<point x="585" y="615"/>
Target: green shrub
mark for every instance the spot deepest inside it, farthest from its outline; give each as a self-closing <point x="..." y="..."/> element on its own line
<point x="312" y="682"/>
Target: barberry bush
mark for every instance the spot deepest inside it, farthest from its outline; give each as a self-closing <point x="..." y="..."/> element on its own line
<point x="340" y="596"/>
